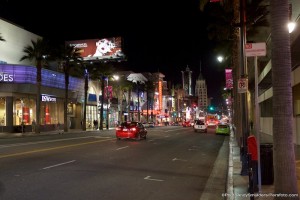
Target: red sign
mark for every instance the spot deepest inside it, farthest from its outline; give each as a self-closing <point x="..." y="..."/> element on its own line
<point x="228" y="78"/>
<point x="108" y="92"/>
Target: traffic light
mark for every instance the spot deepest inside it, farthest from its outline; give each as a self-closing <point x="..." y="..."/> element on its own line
<point x="211" y="108"/>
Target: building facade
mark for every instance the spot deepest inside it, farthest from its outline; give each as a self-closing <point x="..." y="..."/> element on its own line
<point x="265" y="91"/>
<point x="187" y="81"/>
<point x="201" y="92"/>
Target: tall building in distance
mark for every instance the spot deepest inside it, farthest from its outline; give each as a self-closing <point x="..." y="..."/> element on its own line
<point x="187" y="81"/>
<point x="201" y="92"/>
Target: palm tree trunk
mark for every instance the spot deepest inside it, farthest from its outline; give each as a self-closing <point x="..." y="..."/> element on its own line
<point x="120" y="104"/>
<point x="138" y="107"/>
<point x="102" y="102"/>
<point x="86" y="86"/>
<point x="284" y="155"/>
<point x="147" y="105"/>
<point x="38" y="97"/>
<point x="66" y="102"/>
<point x="235" y="73"/>
<point x="130" y="116"/>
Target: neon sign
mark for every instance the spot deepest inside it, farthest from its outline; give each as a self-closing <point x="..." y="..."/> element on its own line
<point x="47" y="98"/>
<point x="5" y="77"/>
<point x="160" y="94"/>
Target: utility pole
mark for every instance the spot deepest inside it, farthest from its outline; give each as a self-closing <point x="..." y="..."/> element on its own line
<point x="243" y="74"/>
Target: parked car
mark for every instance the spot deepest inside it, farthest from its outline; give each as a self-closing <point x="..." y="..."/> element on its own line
<point x="131" y="130"/>
<point x="151" y="124"/>
<point x="223" y="129"/>
<point x="146" y="125"/>
<point x="186" y="124"/>
<point x="200" y="126"/>
<point x="175" y="124"/>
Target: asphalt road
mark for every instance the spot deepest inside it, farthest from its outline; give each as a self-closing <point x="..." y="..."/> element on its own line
<point x="173" y="163"/>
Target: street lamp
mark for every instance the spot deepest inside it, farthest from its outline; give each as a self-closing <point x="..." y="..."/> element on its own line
<point x="116" y="78"/>
<point x="220" y="58"/>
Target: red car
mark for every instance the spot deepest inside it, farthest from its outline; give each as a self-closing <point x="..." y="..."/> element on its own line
<point x="131" y="130"/>
<point x="186" y="124"/>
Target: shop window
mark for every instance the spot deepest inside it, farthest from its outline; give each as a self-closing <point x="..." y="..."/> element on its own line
<point x="2" y="112"/>
<point x="52" y="113"/>
<point x="24" y="111"/>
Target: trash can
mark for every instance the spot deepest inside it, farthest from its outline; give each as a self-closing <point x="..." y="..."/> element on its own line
<point x="266" y="164"/>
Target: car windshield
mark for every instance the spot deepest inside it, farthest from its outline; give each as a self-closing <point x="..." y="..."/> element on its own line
<point x="223" y="126"/>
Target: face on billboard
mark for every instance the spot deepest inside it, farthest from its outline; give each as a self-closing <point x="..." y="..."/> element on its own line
<point x="106" y="48"/>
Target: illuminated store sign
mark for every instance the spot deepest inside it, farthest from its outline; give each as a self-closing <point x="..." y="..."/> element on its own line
<point x="5" y="77"/>
<point x="22" y="74"/>
<point x="47" y="98"/>
<point x="160" y="94"/>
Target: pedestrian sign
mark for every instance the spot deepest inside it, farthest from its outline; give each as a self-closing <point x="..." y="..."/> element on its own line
<point x="242" y="85"/>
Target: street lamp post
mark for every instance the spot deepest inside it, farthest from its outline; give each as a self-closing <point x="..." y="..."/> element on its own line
<point x="243" y="72"/>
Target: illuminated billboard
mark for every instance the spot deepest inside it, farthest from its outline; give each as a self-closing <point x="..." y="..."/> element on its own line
<point x="95" y="49"/>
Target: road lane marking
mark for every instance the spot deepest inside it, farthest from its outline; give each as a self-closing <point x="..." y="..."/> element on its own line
<point x="152" y="179"/>
<point x="175" y="159"/>
<point x="59" y="164"/>
<point x="172" y="130"/>
<point x="48" y="141"/>
<point x="52" y="148"/>
<point x="122" y="148"/>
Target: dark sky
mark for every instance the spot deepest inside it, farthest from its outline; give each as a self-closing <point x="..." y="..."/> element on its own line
<point x="158" y="35"/>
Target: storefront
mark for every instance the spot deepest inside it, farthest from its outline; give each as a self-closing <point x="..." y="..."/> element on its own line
<point x="18" y="98"/>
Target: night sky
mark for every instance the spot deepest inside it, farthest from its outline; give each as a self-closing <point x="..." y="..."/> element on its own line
<point x="158" y="35"/>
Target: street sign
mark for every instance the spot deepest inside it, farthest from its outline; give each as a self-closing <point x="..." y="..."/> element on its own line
<point x="255" y="49"/>
<point x="242" y="85"/>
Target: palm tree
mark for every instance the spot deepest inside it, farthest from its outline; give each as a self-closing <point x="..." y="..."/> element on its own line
<point x="284" y="155"/>
<point x="224" y="18"/>
<point x="120" y="87"/>
<point x="137" y="78"/>
<point x="68" y="57"/>
<point x="37" y="52"/>
<point x="150" y="89"/>
<point x="102" y="71"/>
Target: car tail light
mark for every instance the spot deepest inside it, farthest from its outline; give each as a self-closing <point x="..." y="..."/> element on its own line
<point x="118" y="128"/>
<point x="133" y="129"/>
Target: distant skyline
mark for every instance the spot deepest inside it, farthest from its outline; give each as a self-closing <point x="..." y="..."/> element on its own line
<point x="164" y="36"/>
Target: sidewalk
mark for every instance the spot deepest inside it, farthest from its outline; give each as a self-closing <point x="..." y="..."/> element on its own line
<point x="54" y="132"/>
<point x="237" y="185"/>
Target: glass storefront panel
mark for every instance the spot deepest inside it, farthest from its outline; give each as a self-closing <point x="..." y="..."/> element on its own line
<point x="2" y="111"/>
<point x="52" y="113"/>
<point x="91" y="115"/>
<point x="24" y="111"/>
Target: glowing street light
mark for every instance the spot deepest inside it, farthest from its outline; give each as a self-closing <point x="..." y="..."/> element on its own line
<point x="291" y="26"/>
<point x="220" y="58"/>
